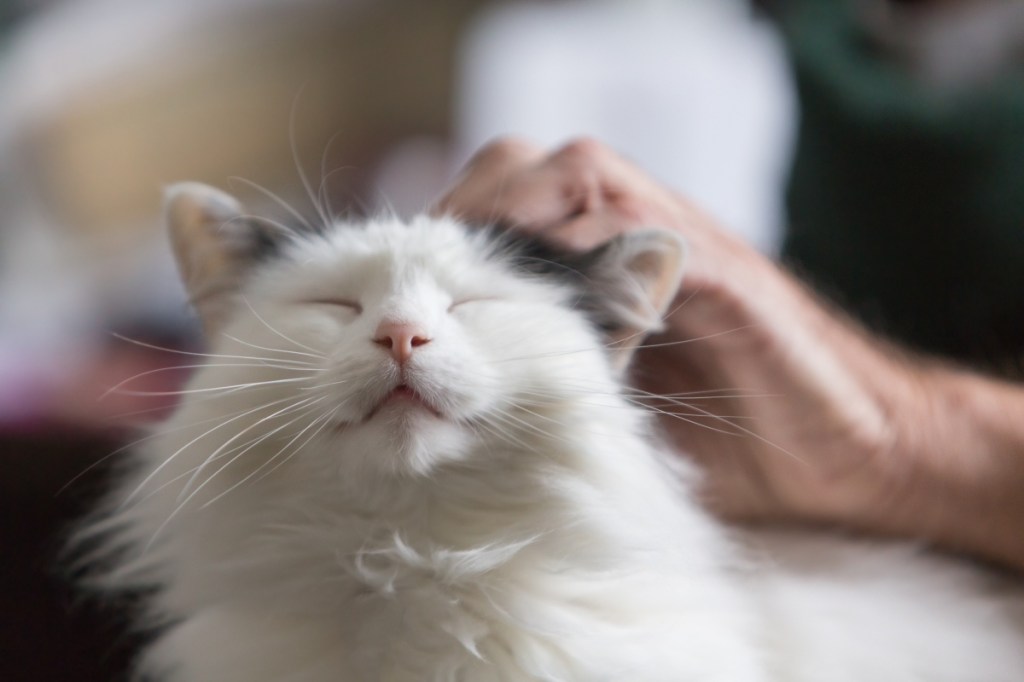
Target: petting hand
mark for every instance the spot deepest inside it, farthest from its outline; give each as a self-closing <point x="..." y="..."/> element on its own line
<point x="795" y="413"/>
<point x="788" y="408"/>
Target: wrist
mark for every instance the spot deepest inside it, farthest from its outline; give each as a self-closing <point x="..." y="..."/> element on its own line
<point x="958" y="465"/>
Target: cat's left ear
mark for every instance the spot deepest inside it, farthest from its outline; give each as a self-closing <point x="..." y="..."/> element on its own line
<point x="635" y="278"/>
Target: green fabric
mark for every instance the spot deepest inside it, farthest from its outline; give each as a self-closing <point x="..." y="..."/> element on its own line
<point x="907" y="203"/>
<point x="9" y="11"/>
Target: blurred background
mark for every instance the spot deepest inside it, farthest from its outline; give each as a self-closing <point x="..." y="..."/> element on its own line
<point x="877" y="146"/>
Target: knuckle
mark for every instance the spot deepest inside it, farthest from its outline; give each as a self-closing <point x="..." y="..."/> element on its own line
<point x="631" y="207"/>
<point x="506" y="148"/>
<point x="583" y="151"/>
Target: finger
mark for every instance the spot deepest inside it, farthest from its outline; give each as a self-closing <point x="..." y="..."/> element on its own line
<point x="503" y="151"/>
<point x="512" y="196"/>
<point x="472" y="194"/>
<point x="586" y="231"/>
<point x="517" y="184"/>
<point x="536" y="192"/>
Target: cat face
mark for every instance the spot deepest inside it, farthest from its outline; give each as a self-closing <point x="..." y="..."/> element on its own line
<point x="392" y="349"/>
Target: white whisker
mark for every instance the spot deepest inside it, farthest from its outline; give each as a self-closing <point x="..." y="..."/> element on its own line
<point x="323" y="191"/>
<point x="213" y="456"/>
<point x="298" y="164"/>
<point x="275" y="198"/>
<point x="178" y="351"/>
<point x="115" y="388"/>
<point x="220" y="424"/>
<point x="275" y="331"/>
<point x="248" y="447"/>
<point x="230" y="388"/>
<point x="317" y="356"/>
<point x="324" y="420"/>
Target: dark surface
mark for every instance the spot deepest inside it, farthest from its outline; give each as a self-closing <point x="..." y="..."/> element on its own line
<point x="48" y="631"/>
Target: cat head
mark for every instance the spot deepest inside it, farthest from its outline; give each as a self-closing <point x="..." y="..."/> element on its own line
<point x="392" y="349"/>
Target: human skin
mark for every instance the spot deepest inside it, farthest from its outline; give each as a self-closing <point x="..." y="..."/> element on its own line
<point x="796" y="414"/>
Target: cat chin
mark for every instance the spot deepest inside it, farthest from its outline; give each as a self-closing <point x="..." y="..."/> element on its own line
<point x="401" y="442"/>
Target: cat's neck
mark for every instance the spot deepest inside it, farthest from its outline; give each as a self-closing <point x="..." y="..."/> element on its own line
<point x="548" y="482"/>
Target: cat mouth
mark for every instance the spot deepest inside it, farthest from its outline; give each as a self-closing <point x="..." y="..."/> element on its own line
<point x="404" y="397"/>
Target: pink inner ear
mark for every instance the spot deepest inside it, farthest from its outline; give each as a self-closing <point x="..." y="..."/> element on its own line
<point x="657" y="276"/>
<point x="642" y="273"/>
<point x="657" y="268"/>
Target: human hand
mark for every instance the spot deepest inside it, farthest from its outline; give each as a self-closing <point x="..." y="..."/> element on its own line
<point x="788" y="408"/>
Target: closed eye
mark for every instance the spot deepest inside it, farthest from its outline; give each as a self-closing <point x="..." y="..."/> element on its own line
<point x="464" y="301"/>
<point x="354" y="306"/>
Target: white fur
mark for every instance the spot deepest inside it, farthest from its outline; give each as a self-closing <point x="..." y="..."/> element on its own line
<point x="531" y="533"/>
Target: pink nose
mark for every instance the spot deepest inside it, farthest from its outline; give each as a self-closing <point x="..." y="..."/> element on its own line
<point x="400" y="338"/>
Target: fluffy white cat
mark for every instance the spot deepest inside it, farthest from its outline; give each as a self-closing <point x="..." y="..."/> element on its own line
<point x="409" y="458"/>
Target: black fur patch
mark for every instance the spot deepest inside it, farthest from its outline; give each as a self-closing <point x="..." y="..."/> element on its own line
<point x="266" y="243"/>
<point x="532" y="255"/>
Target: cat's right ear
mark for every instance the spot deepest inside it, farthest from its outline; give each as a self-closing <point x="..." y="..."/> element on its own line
<point x="635" y="278"/>
<point x="214" y="243"/>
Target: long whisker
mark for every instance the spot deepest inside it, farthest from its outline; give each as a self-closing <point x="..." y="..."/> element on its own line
<point x="674" y="409"/>
<point x="316" y="356"/>
<point x="275" y="198"/>
<point x="178" y="351"/>
<point x="601" y="349"/>
<point x="298" y="164"/>
<point x="324" y="385"/>
<point x="155" y="434"/>
<point x="230" y="388"/>
<point x="509" y="419"/>
<point x="689" y="417"/>
<point x="324" y="419"/>
<point x="231" y="461"/>
<point x="323" y="191"/>
<point x="158" y="370"/>
<point x="613" y="345"/>
<point x="275" y="331"/>
<point x="669" y="313"/>
<point x="214" y="455"/>
<point x="706" y="394"/>
<point x="220" y="424"/>
<point x="709" y="394"/>
<point x="253" y="442"/>
<point x="694" y="339"/>
<point x="752" y="434"/>
<point x="689" y="420"/>
<point x="196" y="400"/>
<point x="599" y="388"/>
<point x="491" y="420"/>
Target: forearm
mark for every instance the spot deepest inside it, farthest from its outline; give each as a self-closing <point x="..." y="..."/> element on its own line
<point x="959" y="461"/>
<point x="943" y="445"/>
<point x="867" y="435"/>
